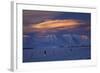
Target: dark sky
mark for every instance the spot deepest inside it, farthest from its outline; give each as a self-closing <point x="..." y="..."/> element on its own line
<point x="33" y="17"/>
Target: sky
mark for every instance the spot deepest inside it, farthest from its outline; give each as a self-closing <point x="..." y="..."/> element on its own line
<point x="44" y="23"/>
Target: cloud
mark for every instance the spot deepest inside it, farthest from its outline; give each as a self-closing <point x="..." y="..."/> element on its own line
<point x="68" y="23"/>
<point x="84" y="37"/>
<point x="33" y="16"/>
<point x="26" y="36"/>
<point x="54" y="25"/>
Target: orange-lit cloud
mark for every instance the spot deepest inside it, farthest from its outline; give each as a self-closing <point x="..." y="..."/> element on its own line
<point x="51" y="24"/>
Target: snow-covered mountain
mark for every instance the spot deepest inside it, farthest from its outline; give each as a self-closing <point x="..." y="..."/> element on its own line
<point x="55" y="40"/>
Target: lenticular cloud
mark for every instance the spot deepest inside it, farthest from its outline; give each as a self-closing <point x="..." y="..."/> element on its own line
<point x="68" y="23"/>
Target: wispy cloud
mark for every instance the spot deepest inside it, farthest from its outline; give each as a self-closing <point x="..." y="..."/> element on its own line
<point x="26" y="36"/>
<point x="68" y="23"/>
<point x="33" y="17"/>
<point x="54" y="25"/>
